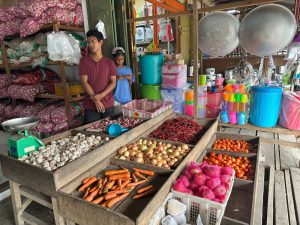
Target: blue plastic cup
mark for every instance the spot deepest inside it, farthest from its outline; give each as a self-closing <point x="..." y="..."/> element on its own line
<point x="241" y="118"/>
<point x="224" y="117"/>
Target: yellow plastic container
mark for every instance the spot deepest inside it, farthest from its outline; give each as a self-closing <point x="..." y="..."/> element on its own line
<point x="74" y="89"/>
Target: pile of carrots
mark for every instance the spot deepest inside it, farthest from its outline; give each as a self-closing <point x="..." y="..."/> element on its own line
<point x="115" y="186"/>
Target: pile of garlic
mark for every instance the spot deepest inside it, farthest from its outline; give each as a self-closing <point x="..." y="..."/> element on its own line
<point x="60" y="152"/>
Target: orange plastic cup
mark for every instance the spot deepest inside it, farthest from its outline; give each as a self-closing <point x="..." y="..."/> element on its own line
<point x="228" y="88"/>
<point x="226" y="96"/>
<point x="189" y="95"/>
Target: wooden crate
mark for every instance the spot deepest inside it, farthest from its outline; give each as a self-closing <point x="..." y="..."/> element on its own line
<point x="124" y="212"/>
<point x="49" y="182"/>
<point x="84" y="213"/>
<point x="246" y="188"/>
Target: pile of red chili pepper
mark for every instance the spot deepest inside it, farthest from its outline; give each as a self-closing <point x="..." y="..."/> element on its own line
<point x="180" y="130"/>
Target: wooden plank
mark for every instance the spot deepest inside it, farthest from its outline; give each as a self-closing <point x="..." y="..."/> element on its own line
<point x="267" y="149"/>
<point x="35" y="196"/>
<point x="295" y="178"/>
<point x="32" y="220"/>
<point x="277" y="157"/>
<point x="287" y="159"/>
<point x="290" y="200"/>
<point x="281" y="210"/>
<point x="287" y="137"/>
<point x="195" y="54"/>
<point x="248" y="132"/>
<point x="16" y="202"/>
<point x="231" y="130"/>
<point x="59" y="220"/>
<point x="258" y="193"/>
<point x="26" y="203"/>
<point x="270" y="208"/>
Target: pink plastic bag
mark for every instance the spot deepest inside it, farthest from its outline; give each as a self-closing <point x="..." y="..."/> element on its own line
<point x="290" y="111"/>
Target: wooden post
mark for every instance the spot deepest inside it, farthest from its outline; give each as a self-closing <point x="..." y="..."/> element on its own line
<point x="195" y="54"/>
<point x="155" y="27"/>
<point x="5" y="59"/>
<point x="59" y="220"/>
<point x="178" y="34"/>
<point x="16" y="202"/>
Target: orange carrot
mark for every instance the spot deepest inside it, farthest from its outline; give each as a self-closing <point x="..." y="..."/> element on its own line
<point x="85" y="180"/>
<point x="91" y="196"/>
<point x="119" y="183"/>
<point x="86" y="192"/>
<point x="134" y="178"/>
<point x="98" y="200"/>
<point x="114" y="188"/>
<point x="143" y="194"/>
<point x="104" y="204"/>
<point x="125" y="183"/>
<point x="113" y="201"/>
<point x="110" y="195"/>
<point x="114" y="172"/>
<point x="146" y="172"/>
<point x="88" y="183"/>
<point x="93" y="189"/>
<point x="136" y="183"/>
<point x="123" y="190"/>
<point x="108" y="186"/>
<point x="100" y="182"/>
<point x="122" y="176"/>
<point x="140" y="175"/>
<point x="141" y="190"/>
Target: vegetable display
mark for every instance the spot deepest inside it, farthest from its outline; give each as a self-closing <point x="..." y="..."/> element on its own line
<point x="206" y="181"/>
<point x="63" y="151"/>
<point x="180" y="130"/>
<point x="233" y="145"/>
<point x="115" y="186"/>
<point x="153" y="152"/>
<point x="125" y="122"/>
<point x="244" y="168"/>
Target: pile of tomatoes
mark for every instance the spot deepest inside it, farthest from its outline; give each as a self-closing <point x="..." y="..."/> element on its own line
<point x="233" y="145"/>
<point x="244" y="168"/>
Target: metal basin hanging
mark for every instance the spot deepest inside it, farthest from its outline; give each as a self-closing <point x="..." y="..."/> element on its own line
<point x="218" y="34"/>
<point x="267" y="29"/>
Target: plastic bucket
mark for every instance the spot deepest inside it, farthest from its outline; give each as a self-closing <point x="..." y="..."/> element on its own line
<point x="265" y="106"/>
<point x="151" y="66"/>
<point x="150" y="92"/>
<point x="214" y="99"/>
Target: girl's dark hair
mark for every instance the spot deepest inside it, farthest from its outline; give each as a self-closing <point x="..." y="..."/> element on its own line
<point x="119" y="52"/>
<point x="95" y="33"/>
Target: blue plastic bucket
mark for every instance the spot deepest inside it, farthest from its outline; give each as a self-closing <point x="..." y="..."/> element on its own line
<point x="265" y="105"/>
<point x="150" y="66"/>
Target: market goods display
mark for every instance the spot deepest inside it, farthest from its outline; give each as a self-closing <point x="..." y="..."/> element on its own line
<point x="26" y="92"/>
<point x="180" y="130"/>
<point x="233" y="145"/>
<point x="154" y="152"/>
<point x="4" y="92"/>
<point x="243" y="166"/>
<point x="125" y="122"/>
<point x="5" y="80"/>
<point x="206" y="181"/>
<point x="115" y="186"/>
<point x="61" y="152"/>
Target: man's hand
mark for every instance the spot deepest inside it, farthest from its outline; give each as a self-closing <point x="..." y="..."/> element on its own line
<point x="97" y="97"/>
<point x="99" y="106"/>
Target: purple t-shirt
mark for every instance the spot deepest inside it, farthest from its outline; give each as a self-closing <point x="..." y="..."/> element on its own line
<point x="99" y="74"/>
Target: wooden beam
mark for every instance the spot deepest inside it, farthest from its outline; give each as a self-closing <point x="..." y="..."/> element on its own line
<point x="195" y="55"/>
<point x="162" y="5"/>
<point x="235" y="5"/>
<point x="175" y="4"/>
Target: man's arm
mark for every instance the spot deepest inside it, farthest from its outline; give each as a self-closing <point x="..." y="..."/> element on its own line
<point x="87" y="87"/>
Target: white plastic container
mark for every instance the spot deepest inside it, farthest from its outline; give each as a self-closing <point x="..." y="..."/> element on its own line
<point x="174" y="76"/>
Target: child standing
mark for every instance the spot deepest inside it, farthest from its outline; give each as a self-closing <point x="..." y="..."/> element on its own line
<point x="125" y="79"/>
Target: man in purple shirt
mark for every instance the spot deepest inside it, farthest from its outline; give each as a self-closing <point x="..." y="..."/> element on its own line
<point x="98" y="77"/>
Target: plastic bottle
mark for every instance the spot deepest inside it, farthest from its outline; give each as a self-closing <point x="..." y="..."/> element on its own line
<point x="230" y="104"/>
<point x="244" y="102"/>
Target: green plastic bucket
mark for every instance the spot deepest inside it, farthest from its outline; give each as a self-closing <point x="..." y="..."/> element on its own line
<point x="150" y="92"/>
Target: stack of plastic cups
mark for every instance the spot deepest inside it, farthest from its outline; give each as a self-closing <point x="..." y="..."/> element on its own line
<point x="202" y="97"/>
<point x="189" y="103"/>
<point x="242" y="113"/>
<point x="231" y="106"/>
<point x="224" y="113"/>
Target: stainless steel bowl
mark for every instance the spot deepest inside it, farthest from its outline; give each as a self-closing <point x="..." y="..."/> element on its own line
<point x="218" y="34"/>
<point x="267" y="29"/>
<point x="23" y="123"/>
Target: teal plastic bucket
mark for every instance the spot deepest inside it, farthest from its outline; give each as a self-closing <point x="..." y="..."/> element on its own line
<point x="265" y="105"/>
<point x="150" y="66"/>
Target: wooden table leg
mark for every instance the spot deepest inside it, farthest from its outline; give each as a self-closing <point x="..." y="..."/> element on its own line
<point x="16" y="202"/>
<point x="59" y="220"/>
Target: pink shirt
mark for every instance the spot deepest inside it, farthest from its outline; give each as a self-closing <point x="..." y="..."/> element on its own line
<point x="99" y="74"/>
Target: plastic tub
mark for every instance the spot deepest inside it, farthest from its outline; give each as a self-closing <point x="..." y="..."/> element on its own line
<point x="145" y="109"/>
<point x="214" y="99"/>
<point x="174" y="76"/>
<point x="150" y="92"/>
<point x="150" y="66"/>
<point x="178" y="108"/>
<point x="290" y="111"/>
<point x="201" y="112"/>
<point x="212" y="112"/>
<point x="265" y="105"/>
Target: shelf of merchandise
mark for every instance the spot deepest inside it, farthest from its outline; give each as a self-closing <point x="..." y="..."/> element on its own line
<point x="56" y="27"/>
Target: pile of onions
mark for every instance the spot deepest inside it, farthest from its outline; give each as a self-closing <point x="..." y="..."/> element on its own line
<point x="154" y="152"/>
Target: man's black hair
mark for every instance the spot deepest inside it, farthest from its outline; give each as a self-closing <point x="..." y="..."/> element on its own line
<point x="95" y="33"/>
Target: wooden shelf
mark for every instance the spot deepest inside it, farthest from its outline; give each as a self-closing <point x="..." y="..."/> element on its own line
<point x="52" y="26"/>
<point x="24" y="65"/>
<point x="51" y="96"/>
